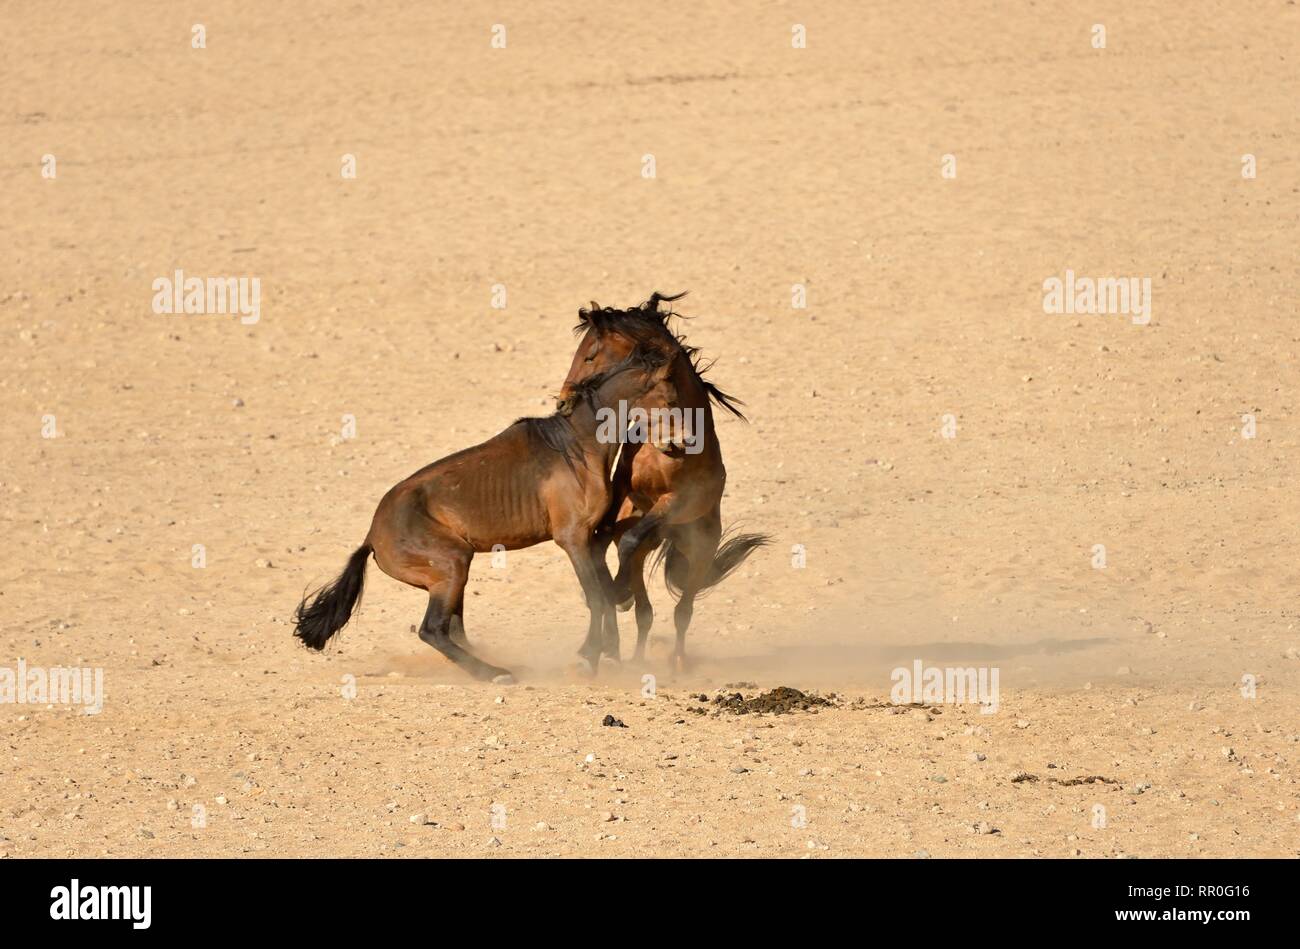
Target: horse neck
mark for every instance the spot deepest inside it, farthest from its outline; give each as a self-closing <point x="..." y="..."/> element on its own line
<point x="585" y="423"/>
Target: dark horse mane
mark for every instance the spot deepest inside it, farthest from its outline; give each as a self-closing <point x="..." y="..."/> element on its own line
<point x="639" y="321"/>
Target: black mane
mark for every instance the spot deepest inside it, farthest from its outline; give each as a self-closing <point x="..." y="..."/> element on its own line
<point x="647" y="320"/>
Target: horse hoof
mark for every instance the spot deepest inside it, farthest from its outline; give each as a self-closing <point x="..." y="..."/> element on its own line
<point x="624" y="606"/>
<point x="504" y="678"/>
<point x="611" y="662"/>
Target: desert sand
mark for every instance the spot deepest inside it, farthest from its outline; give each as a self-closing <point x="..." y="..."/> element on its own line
<point x="136" y="445"/>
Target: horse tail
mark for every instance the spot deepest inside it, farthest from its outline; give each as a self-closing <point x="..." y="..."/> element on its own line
<point x="331" y="606"/>
<point x="733" y="552"/>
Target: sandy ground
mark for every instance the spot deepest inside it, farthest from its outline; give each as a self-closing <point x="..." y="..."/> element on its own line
<point x="774" y="166"/>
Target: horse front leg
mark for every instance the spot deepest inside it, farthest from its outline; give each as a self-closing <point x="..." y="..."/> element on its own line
<point x="595" y="590"/>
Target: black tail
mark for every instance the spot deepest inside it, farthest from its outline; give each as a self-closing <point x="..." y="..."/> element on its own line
<point x="331" y="606"/>
<point x="729" y="556"/>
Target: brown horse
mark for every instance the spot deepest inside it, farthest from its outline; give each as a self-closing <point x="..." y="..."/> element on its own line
<point x="668" y="489"/>
<point x="541" y="479"/>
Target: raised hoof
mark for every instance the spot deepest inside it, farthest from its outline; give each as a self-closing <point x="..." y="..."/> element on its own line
<point x="504" y="678"/>
<point x="626" y="605"/>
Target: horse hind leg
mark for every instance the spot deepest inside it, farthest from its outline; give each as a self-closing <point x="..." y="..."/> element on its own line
<point x="440" y="566"/>
<point x="695" y="544"/>
<point x="456" y="628"/>
<point x="645" y="615"/>
<point x="636" y="592"/>
<point x="436" y="631"/>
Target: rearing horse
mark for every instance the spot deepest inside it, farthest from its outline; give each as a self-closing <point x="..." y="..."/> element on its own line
<point x="669" y="493"/>
<point x="540" y="479"/>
